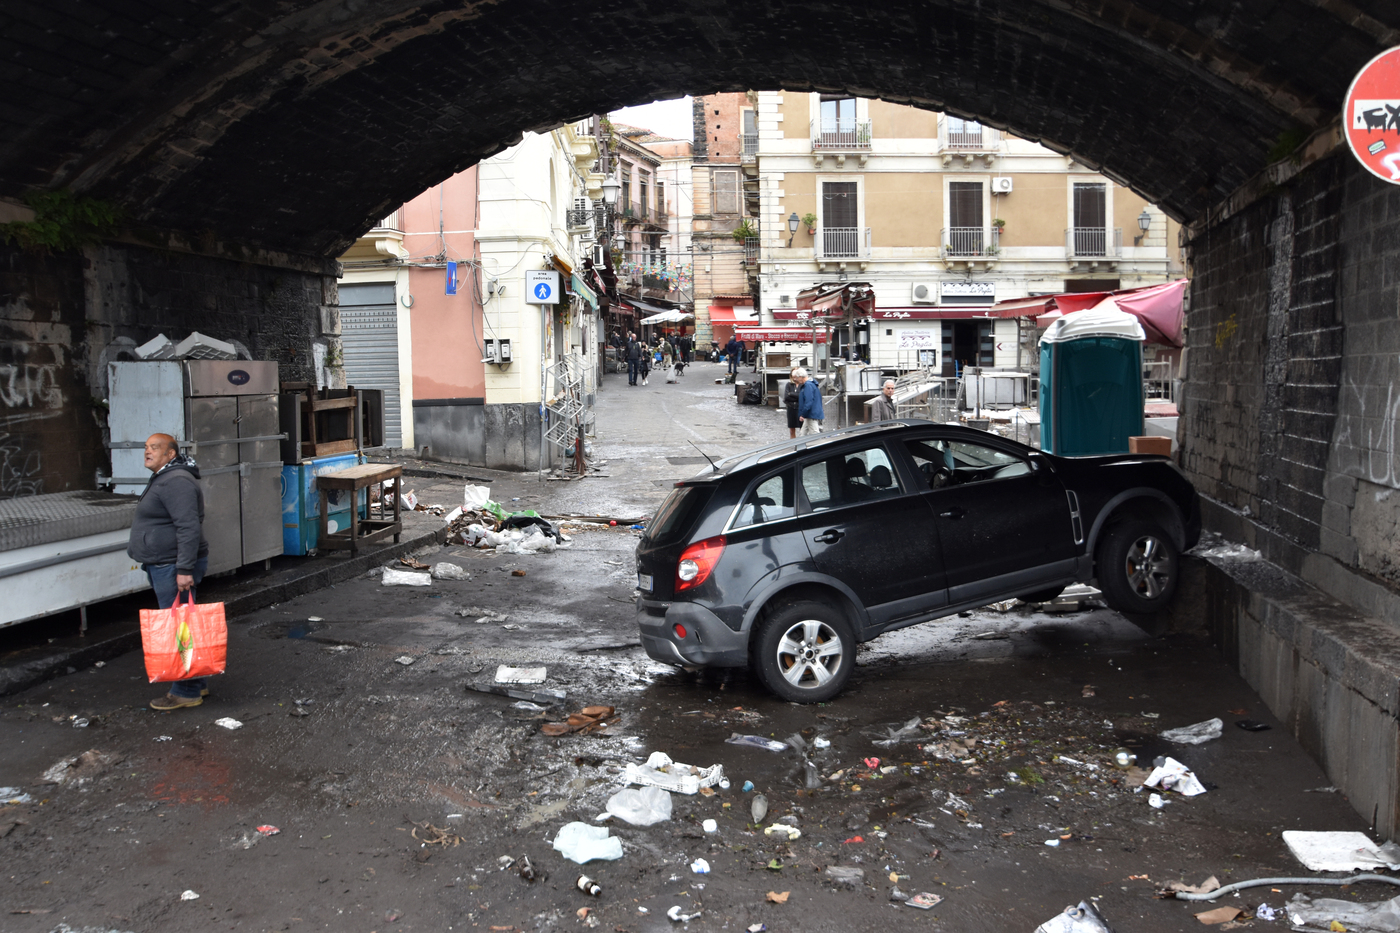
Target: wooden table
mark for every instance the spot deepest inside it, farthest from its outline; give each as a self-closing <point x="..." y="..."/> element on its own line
<point x="352" y="481"/>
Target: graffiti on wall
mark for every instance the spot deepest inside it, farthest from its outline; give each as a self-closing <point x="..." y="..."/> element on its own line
<point x="28" y="393"/>
<point x="1365" y="444"/>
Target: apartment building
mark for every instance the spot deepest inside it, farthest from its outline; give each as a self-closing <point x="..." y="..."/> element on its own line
<point x="936" y="218"/>
<point x="725" y="198"/>
<point x="440" y="306"/>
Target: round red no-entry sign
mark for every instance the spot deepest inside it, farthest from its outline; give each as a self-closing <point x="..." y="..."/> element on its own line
<point x="1372" y="116"/>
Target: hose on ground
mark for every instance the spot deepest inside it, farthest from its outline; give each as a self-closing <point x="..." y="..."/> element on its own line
<point x="1260" y="882"/>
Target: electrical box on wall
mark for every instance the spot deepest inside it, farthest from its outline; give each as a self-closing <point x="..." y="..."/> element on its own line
<point x="497" y="351"/>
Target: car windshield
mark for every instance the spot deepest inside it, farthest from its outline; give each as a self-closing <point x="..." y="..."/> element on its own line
<point x="678" y="513"/>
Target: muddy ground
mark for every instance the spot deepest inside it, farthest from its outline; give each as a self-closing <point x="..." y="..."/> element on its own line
<point x="401" y="796"/>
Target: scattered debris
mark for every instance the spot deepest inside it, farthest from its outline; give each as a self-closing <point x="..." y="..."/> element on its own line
<point x="700" y="867"/>
<point x="580" y="843"/>
<point x="588" y="719"/>
<point x="756" y="741"/>
<point x="90" y="764"/>
<point x="269" y="830"/>
<point x="433" y="836"/>
<point x="413" y="563"/>
<point x="228" y="722"/>
<point x="545" y="696"/>
<point x="162" y="738"/>
<point x="782" y="829"/>
<point x="844" y="874"/>
<point x="893" y="735"/>
<point x="1252" y="725"/>
<point x="1205" y="887"/>
<point x="1084" y="918"/>
<point x="588" y="886"/>
<point x="1196" y="734"/>
<point x="446" y="570"/>
<point x="189" y="896"/>
<point x="1340" y="851"/>
<point x="1172" y="775"/>
<point x="675" y="914"/>
<point x="925" y="901"/>
<point x="660" y="771"/>
<point x="774" y="897"/>
<point x="13" y="795"/>
<point x="517" y="573"/>
<point x="405" y="659"/>
<point x="645" y="807"/>
<point x="758" y="809"/>
<point x="1219" y="915"/>
<point x="1088" y="691"/>
<point x="520" y="675"/>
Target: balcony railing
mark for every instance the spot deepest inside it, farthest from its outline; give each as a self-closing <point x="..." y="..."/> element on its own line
<point x="971" y="139"/>
<point x="748" y="146"/>
<point x="635" y="210"/>
<point x="1093" y="242"/>
<point x="843" y="243"/>
<point x="750" y="249"/>
<point x="828" y="138"/>
<point x="970" y="242"/>
<point x="389" y="223"/>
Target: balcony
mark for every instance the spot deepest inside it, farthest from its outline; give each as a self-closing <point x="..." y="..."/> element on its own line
<point x="838" y="140"/>
<point x="1092" y="245"/>
<point x="970" y="245"/>
<point x="390" y="223"/>
<point x="633" y="211"/>
<point x="751" y="250"/>
<point x="580" y="219"/>
<point x="748" y="147"/>
<point x="970" y="143"/>
<point x="842" y="244"/>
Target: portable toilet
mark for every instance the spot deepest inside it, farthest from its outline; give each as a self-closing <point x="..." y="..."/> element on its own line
<point x="1091" y="383"/>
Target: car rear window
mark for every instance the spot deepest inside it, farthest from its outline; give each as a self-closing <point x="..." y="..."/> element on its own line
<point x="678" y="513"/>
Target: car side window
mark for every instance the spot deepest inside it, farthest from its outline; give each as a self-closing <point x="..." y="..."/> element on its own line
<point x="850" y="477"/>
<point x="957" y="463"/>
<point x="772" y="499"/>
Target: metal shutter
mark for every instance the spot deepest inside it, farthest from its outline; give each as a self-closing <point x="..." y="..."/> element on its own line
<point x="369" y="335"/>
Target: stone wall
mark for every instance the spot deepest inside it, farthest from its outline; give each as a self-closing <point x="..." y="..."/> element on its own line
<point x="500" y="437"/>
<point x="63" y="317"/>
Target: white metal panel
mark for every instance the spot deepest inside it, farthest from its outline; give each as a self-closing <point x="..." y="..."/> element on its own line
<point x="144" y="399"/>
<point x="67" y="585"/>
<point x="369" y="337"/>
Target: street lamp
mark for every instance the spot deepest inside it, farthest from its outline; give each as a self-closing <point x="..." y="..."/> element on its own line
<point x="793" y="221"/>
<point x="610" y="189"/>
<point x="1144" y="221"/>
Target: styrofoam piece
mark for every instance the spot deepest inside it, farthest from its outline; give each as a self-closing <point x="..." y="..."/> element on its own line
<point x="199" y="346"/>
<point x="1335" y="851"/>
<point x="661" y="771"/>
<point x="159" y="347"/>
<point x="520" y="675"/>
<point x="395" y="577"/>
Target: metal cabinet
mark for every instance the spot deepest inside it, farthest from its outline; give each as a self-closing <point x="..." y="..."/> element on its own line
<point x="229" y="424"/>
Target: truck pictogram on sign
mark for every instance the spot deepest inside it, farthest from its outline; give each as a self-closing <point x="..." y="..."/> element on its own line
<point x="1371" y="116"/>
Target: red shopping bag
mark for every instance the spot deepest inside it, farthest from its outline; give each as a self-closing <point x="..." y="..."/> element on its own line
<point x="187" y="640"/>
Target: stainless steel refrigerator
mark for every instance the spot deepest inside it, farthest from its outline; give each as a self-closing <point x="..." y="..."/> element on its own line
<point x="227" y="414"/>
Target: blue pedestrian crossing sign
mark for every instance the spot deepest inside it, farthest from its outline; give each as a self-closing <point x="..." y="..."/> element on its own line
<point x="542" y="287"/>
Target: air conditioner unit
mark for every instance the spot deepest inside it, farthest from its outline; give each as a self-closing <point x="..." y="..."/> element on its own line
<point x="1001" y="185"/>
<point x="924" y="293"/>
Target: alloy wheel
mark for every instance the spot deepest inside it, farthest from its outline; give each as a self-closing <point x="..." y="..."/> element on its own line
<point x="809" y="654"/>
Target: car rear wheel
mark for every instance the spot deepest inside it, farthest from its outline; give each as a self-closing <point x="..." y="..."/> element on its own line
<point x="805" y="651"/>
<point x="1137" y="567"/>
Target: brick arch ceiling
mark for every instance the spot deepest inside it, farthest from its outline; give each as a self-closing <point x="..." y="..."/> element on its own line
<point x="291" y="124"/>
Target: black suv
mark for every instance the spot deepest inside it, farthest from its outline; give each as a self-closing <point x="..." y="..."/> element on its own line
<point x="785" y="557"/>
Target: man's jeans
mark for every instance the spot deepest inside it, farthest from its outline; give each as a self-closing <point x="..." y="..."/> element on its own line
<point x="632" y="366"/>
<point x="734" y="363"/>
<point x="162" y="577"/>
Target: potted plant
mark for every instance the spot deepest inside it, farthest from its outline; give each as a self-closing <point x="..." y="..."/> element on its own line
<point x="743" y="232"/>
<point x="1000" y="226"/>
<point x="810" y="220"/>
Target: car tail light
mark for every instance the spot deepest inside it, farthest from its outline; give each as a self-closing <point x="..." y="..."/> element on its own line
<point x="697" y="561"/>
<point x="680" y="631"/>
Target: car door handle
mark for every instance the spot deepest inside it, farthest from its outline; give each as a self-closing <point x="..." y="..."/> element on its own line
<point x="955" y="512"/>
<point x="830" y="537"/>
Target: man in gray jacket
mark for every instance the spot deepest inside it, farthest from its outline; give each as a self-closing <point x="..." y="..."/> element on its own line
<point x="882" y="409"/>
<point x="167" y="539"/>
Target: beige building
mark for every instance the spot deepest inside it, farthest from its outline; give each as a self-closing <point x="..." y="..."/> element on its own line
<point x="941" y="217"/>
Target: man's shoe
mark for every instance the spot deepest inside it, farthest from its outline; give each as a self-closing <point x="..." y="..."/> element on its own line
<point x="204" y="691"/>
<point x="171" y="702"/>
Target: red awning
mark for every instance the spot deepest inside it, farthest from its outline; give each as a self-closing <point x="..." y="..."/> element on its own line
<point x="1158" y="307"/>
<point x="780" y="334"/>
<point x="723" y="314"/>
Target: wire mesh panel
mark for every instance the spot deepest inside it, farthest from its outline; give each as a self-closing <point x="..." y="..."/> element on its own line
<point x="567" y="404"/>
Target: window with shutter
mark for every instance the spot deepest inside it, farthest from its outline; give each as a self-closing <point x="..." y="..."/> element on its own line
<point x="726" y="192"/>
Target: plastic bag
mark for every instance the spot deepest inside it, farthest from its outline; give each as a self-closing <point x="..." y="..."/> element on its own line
<point x="446" y="570"/>
<point x="1196" y="734"/>
<point x="1174" y="776"/>
<point x="394" y="577"/>
<point x="579" y="842"/>
<point x="893" y="736"/>
<point x="644" y="807"/>
<point x="756" y="741"/>
<point x="476" y="497"/>
<point x="187" y="640"/>
<point x="843" y="874"/>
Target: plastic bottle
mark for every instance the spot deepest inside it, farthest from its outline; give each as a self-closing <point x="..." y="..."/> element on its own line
<point x="588" y="886"/>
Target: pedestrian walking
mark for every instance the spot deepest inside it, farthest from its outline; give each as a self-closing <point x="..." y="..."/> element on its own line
<point x="635" y="349"/>
<point x="167" y="540"/>
<point x="731" y="354"/>
<point x="648" y="355"/>
<point x="809" y="403"/>
<point x="882" y="409"/>
<point x="790" y="403"/>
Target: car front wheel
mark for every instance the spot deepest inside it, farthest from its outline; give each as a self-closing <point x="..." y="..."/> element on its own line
<point x="1137" y="567"/>
<point x="805" y="652"/>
